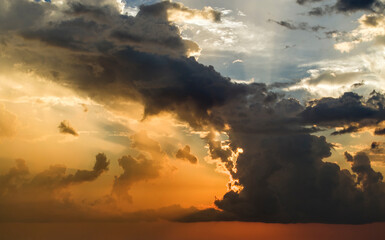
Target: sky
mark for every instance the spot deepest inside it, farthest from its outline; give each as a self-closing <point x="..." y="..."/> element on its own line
<point x="157" y="118"/>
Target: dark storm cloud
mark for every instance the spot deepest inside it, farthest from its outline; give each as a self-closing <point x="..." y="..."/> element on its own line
<point x="10" y="19"/>
<point x="349" y="109"/>
<point x="345" y="109"/>
<point x="112" y="57"/>
<point x="350" y="129"/>
<point x="185" y="154"/>
<point x="65" y="127"/>
<point x="366" y="176"/>
<point x="300" y="26"/>
<point x="345" y="6"/>
<point x="380" y="131"/>
<point x="282" y="170"/>
<point x="283" y="183"/>
<point x="355" y="5"/>
<point x="282" y="173"/>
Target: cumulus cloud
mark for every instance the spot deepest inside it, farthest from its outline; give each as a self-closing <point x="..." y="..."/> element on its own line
<point x="374" y="151"/>
<point x="137" y="169"/>
<point x="281" y="175"/>
<point x="333" y="78"/>
<point x="185" y="154"/>
<point x="52" y="179"/>
<point x="369" y="179"/>
<point x="282" y="183"/>
<point x="37" y="197"/>
<point x="66" y="128"/>
<point x="370" y="28"/>
<point x="43" y="197"/>
<point x="174" y="11"/>
<point x="349" y="110"/>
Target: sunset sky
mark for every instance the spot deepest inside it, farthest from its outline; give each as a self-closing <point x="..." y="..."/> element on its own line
<point x="224" y="119"/>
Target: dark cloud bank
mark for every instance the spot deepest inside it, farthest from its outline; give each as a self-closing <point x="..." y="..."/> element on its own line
<point x="344" y="6"/>
<point x="90" y="47"/>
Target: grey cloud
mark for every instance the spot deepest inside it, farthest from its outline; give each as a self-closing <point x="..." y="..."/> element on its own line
<point x="300" y="26"/>
<point x="330" y="77"/>
<point x="17" y="180"/>
<point x="345" y="110"/>
<point x="27" y="197"/>
<point x="55" y="178"/>
<point x="355" y="5"/>
<point x="375" y="151"/>
<point x="350" y="129"/>
<point x="101" y="165"/>
<point x="135" y="169"/>
<point x="346" y="6"/>
<point x="301" y="2"/>
<point x="140" y="168"/>
<point x="66" y="128"/>
<point x="33" y="13"/>
<point x="160" y="10"/>
<point x="185" y="154"/>
<point x="359" y="84"/>
<point x="318" y="11"/>
<point x="380" y="131"/>
<point x="8" y="181"/>
<point x="369" y="179"/>
<point x="371" y="20"/>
